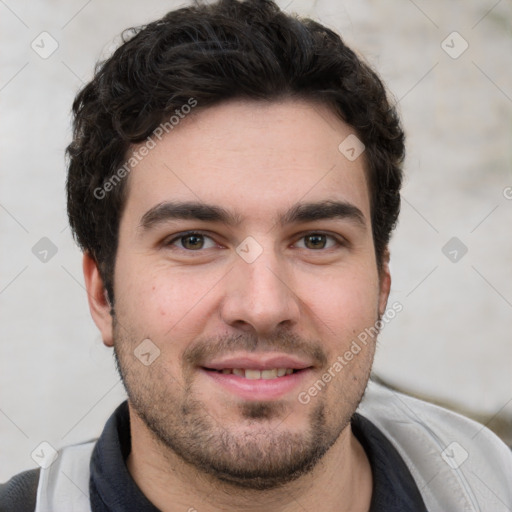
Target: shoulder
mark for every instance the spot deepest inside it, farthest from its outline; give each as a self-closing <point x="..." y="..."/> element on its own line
<point x="53" y="487"/>
<point x="448" y="454"/>
<point x="19" y="493"/>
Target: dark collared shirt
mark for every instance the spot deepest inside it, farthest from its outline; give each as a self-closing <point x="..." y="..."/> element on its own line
<point x="112" y="489"/>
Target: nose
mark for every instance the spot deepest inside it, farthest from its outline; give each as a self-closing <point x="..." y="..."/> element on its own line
<point x="260" y="295"/>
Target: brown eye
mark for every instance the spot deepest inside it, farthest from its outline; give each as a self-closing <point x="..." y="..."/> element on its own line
<point x="318" y="241"/>
<point x="192" y="241"/>
<point x="315" y="241"/>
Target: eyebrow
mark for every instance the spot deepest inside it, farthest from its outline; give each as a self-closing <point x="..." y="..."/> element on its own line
<point x="187" y="210"/>
<point x="323" y="210"/>
<point x="302" y="212"/>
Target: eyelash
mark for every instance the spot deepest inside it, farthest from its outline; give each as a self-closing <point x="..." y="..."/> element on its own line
<point x="338" y="241"/>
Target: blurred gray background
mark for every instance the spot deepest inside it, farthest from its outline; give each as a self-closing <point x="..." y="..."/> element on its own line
<point x="449" y="68"/>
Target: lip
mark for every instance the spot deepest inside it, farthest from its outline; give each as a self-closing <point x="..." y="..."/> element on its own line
<point x="258" y="389"/>
<point x="258" y="362"/>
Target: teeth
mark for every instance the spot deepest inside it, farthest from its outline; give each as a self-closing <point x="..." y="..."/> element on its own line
<point x="258" y="374"/>
<point x="269" y="374"/>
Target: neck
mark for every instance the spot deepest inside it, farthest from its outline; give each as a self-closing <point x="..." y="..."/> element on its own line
<point x="172" y="484"/>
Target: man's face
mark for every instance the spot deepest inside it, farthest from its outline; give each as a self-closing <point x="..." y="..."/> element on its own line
<point x="267" y="283"/>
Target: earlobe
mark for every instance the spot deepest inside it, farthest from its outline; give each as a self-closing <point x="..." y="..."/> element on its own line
<point x="97" y="296"/>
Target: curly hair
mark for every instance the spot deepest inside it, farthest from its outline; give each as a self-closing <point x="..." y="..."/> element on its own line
<point x="231" y="49"/>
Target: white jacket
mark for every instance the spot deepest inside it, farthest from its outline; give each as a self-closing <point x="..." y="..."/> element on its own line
<point x="458" y="465"/>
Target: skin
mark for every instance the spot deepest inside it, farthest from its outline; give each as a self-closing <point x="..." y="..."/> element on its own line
<point x="256" y="159"/>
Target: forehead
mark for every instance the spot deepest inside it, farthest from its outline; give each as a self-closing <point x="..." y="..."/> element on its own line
<point x="254" y="157"/>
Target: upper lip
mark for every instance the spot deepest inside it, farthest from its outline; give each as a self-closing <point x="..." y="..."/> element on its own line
<point x="258" y="362"/>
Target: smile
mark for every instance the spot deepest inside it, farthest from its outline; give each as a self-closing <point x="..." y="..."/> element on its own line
<point x="250" y="384"/>
<point x="252" y="374"/>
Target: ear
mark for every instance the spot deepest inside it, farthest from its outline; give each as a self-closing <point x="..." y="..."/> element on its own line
<point x="98" y="301"/>
<point x="384" y="282"/>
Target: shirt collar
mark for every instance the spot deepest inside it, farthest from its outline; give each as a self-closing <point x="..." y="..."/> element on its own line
<point x="112" y="489"/>
<point x="394" y="488"/>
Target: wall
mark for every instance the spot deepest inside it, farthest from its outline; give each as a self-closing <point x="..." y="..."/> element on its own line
<point x="452" y="339"/>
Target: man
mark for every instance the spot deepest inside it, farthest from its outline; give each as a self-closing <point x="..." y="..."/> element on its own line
<point x="233" y="182"/>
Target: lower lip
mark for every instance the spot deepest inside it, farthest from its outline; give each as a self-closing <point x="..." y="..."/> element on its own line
<point x="259" y="389"/>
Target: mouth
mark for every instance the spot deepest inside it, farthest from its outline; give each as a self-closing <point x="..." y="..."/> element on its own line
<point x="251" y="374"/>
<point x="268" y="377"/>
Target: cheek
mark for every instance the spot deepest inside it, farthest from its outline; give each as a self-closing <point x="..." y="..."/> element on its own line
<point x="346" y="306"/>
<point x="162" y="301"/>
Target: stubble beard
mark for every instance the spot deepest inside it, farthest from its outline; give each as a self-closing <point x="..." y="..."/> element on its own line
<point x="254" y="457"/>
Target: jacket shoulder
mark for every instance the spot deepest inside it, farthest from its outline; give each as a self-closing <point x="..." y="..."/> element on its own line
<point x="457" y="463"/>
<point x="19" y="493"/>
